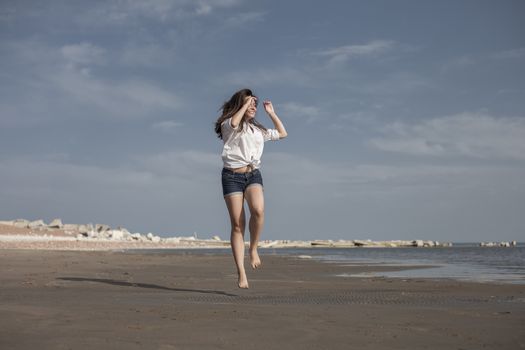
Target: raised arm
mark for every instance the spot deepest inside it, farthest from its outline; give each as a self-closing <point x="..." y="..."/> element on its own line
<point x="268" y="107"/>
<point x="236" y="118"/>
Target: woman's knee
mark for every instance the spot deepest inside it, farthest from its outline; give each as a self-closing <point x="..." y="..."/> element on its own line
<point x="257" y="212"/>
<point x="238" y="227"/>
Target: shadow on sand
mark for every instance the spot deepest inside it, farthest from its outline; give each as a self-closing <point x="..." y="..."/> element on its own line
<point x="144" y="285"/>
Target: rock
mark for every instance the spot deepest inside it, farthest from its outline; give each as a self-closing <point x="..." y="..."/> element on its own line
<point x="156" y="239"/>
<point x="83" y="229"/>
<point x="124" y="230"/>
<point x="149" y="236"/>
<point x="136" y="236"/>
<point x="513" y="243"/>
<point x="216" y="238"/>
<point x="268" y="244"/>
<point x="418" y="243"/>
<point x="102" y="228"/>
<point x="71" y="227"/>
<point x="56" y="223"/>
<point x="361" y="243"/>
<point x="36" y="224"/>
<point x="429" y="244"/>
<point x="115" y="234"/>
<point x="320" y="243"/>
<point x="21" y="223"/>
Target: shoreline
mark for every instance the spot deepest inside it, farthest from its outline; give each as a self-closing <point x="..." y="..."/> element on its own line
<point x="21" y="230"/>
<point x="187" y="300"/>
<point x="25" y="234"/>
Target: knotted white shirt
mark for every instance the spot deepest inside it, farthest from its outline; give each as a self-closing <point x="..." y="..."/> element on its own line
<point x="242" y="148"/>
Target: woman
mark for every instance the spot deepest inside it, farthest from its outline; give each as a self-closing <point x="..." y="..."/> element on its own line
<point x="244" y="138"/>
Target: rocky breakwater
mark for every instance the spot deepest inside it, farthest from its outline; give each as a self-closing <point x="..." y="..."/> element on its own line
<point x="23" y="233"/>
<point x="379" y="244"/>
<point x="498" y="244"/>
<point x="356" y="243"/>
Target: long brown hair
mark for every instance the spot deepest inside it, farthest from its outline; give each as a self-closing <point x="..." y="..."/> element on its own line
<point x="232" y="106"/>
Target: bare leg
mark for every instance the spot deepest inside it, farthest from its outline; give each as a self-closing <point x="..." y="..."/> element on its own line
<point x="235" y="204"/>
<point x="255" y="198"/>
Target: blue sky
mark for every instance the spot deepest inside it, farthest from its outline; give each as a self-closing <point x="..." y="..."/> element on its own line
<point x="406" y="119"/>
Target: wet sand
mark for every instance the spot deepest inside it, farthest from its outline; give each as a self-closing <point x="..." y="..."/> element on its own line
<point x="188" y="300"/>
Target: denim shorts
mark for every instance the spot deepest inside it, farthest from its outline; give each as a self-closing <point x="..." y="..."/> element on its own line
<point x="238" y="182"/>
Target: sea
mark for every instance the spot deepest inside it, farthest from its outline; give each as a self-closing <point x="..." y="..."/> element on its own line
<point x="461" y="261"/>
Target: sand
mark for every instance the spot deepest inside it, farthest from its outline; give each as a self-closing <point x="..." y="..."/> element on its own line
<point x="188" y="300"/>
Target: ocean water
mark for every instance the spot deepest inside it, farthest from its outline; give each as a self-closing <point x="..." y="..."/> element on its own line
<point x="462" y="261"/>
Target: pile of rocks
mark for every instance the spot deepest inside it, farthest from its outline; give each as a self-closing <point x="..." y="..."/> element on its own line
<point x="421" y="243"/>
<point x="120" y="234"/>
<point x="38" y="225"/>
<point x="378" y="244"/>
<point x="498" y="244"/>
<point x="82" y="231"/>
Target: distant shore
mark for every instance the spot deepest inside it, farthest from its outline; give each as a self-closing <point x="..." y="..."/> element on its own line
<point x="36" y="234"/>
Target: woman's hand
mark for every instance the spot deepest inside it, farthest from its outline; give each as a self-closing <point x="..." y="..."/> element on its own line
<point x="268" y="107"/>
<point x="249" y="100"/>
<point x="237" y="117"/>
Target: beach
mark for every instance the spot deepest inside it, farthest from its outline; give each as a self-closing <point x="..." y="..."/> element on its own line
<point x="188" y="299"/>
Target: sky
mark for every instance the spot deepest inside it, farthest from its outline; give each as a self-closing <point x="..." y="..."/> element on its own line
<point x="405" y="119"/>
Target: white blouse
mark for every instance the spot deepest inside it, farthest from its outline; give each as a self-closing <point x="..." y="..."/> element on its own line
<point x="242" y="148"/>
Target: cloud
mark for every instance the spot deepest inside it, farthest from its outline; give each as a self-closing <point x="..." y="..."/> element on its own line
<point x="133" y="98"/>
<point x="162" y="193"/>
<point x="7" y="13"/>
<point x="468" y="60"/>
<point x="347" y="52"/>
<point x="396" y="83"/>
<point x="309" y="114"/>
<point x="342" y="176"/>
<point x="150" y="55"/>
<point x="205" y="7"/>
<point x="167" y="126"/>
<point x="83" y="53"/>
<point x="475" y="135"/>
<point x="64" y="82"/>
<point x="458" y="63"/>
<point x="170" y="193"/>
<point x="127" y="12"/>
<point x="190" y="165"/>
<point x="509" y="54"/>
<point x="267" y="76"/>
<point x="245" y="18"/>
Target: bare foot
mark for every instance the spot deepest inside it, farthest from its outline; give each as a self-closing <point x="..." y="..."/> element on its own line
<point x="255" y="261"/>
<point x="243" y="281"/>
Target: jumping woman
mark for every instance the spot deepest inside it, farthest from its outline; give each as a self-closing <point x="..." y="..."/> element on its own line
<point x="244" y="138"/>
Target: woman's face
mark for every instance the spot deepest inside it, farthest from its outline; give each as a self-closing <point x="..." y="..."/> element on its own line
<point x="251" y="111"/>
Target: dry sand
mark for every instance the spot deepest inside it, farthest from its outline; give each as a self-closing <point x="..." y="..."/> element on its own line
<point x="188" y="300"/>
